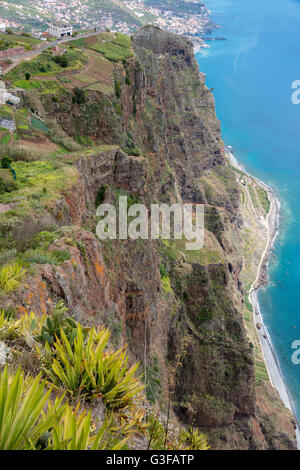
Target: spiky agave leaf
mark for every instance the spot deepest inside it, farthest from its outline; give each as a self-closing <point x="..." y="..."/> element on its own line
<point x="86" y="369"/>
<point x="22" y="417"/>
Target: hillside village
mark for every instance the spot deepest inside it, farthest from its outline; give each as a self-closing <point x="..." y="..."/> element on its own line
<point x="191" y="18"/>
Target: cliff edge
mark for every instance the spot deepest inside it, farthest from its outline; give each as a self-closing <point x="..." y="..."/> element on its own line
<point x="154" y="137"/>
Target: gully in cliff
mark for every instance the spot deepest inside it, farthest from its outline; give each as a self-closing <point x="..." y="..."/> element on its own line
<point x="187" y="223"/>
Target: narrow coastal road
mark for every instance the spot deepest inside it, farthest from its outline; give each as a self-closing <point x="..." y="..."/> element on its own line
<point x="34" y="53"/>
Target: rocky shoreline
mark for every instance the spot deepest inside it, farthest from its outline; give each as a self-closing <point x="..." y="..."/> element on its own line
<point x="262" y="280"/>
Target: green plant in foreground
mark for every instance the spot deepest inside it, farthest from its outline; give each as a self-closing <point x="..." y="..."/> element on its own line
<point x="9" y="328"/>
<point x="30" y="324"/>
<point x="194" y="439"/>
<point x="84" y="369"/>
<point x="160" y="439"/>
<point x="25" y="411"/>
<point x="55" y="323"/>
<point x="75" y="432"/>
<point x="30" y="421"/>
<point x="10" y="277"/>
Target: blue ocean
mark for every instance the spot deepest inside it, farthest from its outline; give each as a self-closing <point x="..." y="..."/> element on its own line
<point x="252" y="74"/>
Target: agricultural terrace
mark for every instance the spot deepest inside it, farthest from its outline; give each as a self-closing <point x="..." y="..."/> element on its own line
<point x="8" y="41"/>
<point x="85" y="63"/>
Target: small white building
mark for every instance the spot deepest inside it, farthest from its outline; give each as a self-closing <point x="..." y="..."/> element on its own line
<point x="2" y="92"/>
<point x="7" y="97"/>
<point x="2" y="27"/>
<point x="12" y="99"/>
<point x="7" y="124"/>
<point x="60" y="30"/>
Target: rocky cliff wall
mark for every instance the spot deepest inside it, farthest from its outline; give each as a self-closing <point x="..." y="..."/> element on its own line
<point x="180" y="312"/>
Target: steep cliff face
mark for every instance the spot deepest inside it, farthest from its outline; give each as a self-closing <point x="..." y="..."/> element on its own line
<point x="179" y="311"/>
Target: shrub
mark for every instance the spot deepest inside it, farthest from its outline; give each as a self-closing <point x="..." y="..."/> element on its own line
<point x="75" y="432"/>
<point x="153" y="382"/>
<point x="84" y="140"/>
<point x="7" y="182"/>
<point x="30" y="324"/>
<point x="61" y="60"/>
<point x="9" y="329"/>
<point x="100" y="196"/>
<point x="61" y="255"/>
<point x="79" y="96"/>
<point x="59" y="137"/>
<point x="163" y="271"/>
<point x="136" y="152"/>
<point x="46" y="237"/>
<point x="10" y="277"/>
<point x="5" y="162"/>
<point x="7" y="255"/>
<point x="9" y="312"/>
<point x="118" y="109"/>
<point x="27" y="75"/>
<point x="25" y="411"/>
<point x="118" y="89"/>
<point x="41" y="256"/>
<point x="86" y="371"/>
<point x="55" y="323"/>
<point x="159" y="438"/>
<point x="194" y="439"/>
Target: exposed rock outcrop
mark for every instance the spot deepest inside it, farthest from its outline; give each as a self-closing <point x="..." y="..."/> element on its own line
<point x="179" y="311"/>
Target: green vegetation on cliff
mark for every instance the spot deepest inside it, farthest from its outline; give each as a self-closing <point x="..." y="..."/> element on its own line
<point x="128" y="117"/>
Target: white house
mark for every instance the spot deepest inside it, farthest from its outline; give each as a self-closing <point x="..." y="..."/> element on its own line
<point x="12" y="99"/>
<point x="6" y="96"/>
<point x="2" y="93"/>
<point x="2" y="27"/>
<point x="7" y="124"/>
<point x="60" y="30"/>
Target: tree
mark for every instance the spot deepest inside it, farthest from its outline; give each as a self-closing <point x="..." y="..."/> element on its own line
<point x="61" y="60"/>
<point x="64" y="62"/>
<point x="79" y="96"/>
<point x="5" y="162"/>
<point x="27" y="75"/>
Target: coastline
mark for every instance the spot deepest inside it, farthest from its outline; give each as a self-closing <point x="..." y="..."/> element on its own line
<point x="271" y="361"/>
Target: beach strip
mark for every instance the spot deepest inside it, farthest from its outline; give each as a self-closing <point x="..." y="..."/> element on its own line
<point x="271" y="361"/>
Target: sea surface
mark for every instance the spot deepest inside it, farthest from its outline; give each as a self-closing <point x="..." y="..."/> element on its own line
<point x="252" y="74"/>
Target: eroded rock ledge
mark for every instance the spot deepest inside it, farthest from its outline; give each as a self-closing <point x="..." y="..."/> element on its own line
<point x="181" y="313"/>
